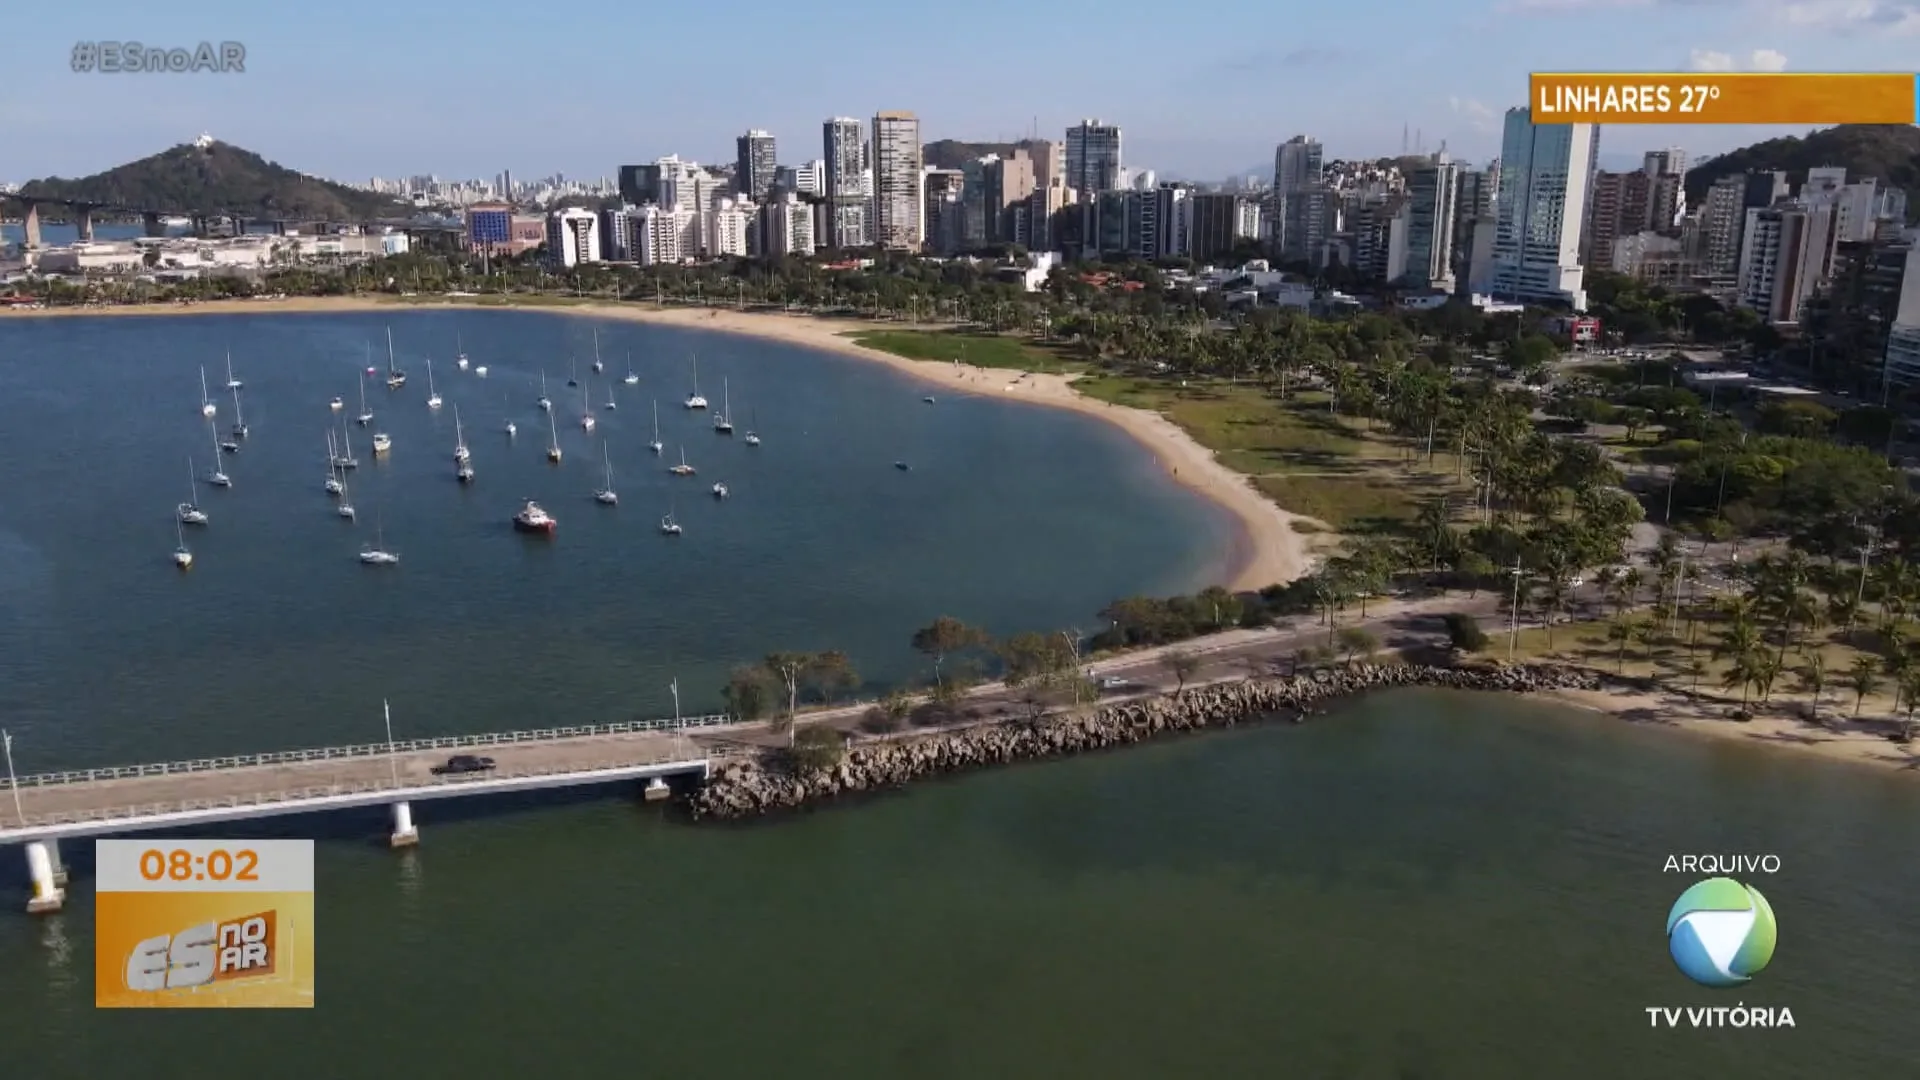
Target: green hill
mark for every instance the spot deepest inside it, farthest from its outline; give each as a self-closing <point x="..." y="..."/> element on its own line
<point x="1889" y="153"/>
<point x="216" y="178"/>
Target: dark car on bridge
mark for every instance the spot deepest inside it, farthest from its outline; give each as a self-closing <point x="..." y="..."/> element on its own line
<point x="461" y="764"/>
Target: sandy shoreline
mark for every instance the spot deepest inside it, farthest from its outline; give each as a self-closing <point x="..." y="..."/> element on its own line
<point x="1266" y="548"/>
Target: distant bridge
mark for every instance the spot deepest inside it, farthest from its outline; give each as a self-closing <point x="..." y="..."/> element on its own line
<point x="43" y="809"/>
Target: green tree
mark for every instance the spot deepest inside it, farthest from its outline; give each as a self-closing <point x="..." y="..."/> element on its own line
<point x="817" y="749"/>
<point x="944" y="637"/>
<point x="1357" y="641"/>
<point x="1863" y="678"/>
<point x="746" y="692"/>
<point x="1182" y="665"/>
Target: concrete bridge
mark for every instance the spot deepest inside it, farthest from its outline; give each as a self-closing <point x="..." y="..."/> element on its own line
<point x="43" y="809"/>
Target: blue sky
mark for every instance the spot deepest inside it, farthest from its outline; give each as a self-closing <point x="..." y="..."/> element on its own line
<point x="351" y="89"/>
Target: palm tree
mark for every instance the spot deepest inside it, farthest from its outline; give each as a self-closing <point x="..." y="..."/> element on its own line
<point x="1813" y="680"/>
<point x="1863" y="678"/>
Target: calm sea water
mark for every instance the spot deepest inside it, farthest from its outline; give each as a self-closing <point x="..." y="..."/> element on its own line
<point x="1419" y="885"/>
<point x="1012" y="517"/>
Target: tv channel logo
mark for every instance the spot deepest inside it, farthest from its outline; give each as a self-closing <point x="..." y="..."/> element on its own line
<point x="1721" y="933"/>
<point x="242" y="948"/>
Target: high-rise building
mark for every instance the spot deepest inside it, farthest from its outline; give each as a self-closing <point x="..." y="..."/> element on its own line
<point x="660" y="234"/>
<point x="1903" y="340"/>
<point x="1620" y="206"/>
<point x="1433" y="193"/>
<point x="489" y="227"/>
<point x="941" y="189"/>
<point x="1310" y="216"/>
<point x="1544" y="173"/>
<point x="845" y="148"/>
<point x="1092" y="158"/>
<point x="1298" y="166"/>
<point x="1666" y="190"/>
<point x="1219" y="222"/>
<point x="1049" y="162"/>
<point x="897" y="207"/>
<point x="1009" y="182"/>
<point x="1785" y="257"/>
<point x="754" y="165"/>
<point x="1297" y="163"/>
<point x="573" y="237"/>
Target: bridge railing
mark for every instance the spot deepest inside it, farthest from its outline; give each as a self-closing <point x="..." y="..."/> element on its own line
<point x="379" y="749"/>
<point x="311" y="792"/>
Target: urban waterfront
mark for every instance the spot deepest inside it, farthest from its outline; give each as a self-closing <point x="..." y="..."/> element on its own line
<point x="1419" y="884"/>
<point x="1013" y="517"/>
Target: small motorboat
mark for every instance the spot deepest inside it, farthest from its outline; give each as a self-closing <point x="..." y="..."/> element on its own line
<point x="719" y="491"/>
<point x="903" y="466"/>
<point x="481" y="371"/>
<point x="376" y="557"/>
<point x="382" y="442"/>
<point x="607" y="497"/>
<point x="336" y="404"/>
<point x="512" y="430"/>
<point x="928" y="399"/>
<point x="229" y="447"/>
<point x="532" y="518"/>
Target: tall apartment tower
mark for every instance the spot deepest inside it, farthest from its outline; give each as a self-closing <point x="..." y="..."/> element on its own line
<point x="897" y="205"/>
<point x="1545" y="171"/>
<point x="754" y="167"/>
<point x="1049" y="163"/>
<point x="1009" y="182"/>
<point x="1298" y="167"/>
<point x="1297" y="163"/>
<point x="1433" y="194"/>
<point x="845" y="147"/>
<point x="1093" y="158"/>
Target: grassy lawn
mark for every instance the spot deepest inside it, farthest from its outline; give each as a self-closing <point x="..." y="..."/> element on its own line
<point x="980" y="350"/>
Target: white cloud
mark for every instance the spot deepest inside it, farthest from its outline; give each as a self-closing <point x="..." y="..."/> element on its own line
<point x="1477" y="115"/>
<point x="1885" y="17"/>
<point x="1757" y="60"/>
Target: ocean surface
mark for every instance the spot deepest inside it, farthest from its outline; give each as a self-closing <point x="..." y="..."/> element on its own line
<point x="1012" y="517"/>
<point x="1418" y="885"/>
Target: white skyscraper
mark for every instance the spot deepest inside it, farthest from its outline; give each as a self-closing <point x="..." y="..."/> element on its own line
<point x="896" y="181"/>
<point x="1545" y="173"/>
<point x="845" y="147"/>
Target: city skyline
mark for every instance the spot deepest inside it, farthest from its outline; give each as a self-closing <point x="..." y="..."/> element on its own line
<point x="336" y="101"/>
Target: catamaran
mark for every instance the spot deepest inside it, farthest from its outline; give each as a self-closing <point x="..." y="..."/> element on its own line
<point x="182" y="555"/>
<point x="752" y="438"/>
<point x="682" y="469"/>
<point x="694" y="400"/>
<point x="545" y="402"/>
<point x="232" y="383"/>
<point x="366" y="414"/>
<point x="723" y="420"/>
<point x="656" y="445"/>
<point x="605" y="496"/>
<point x="189" y="512"/>
<point x="239" y="428"/>
<point x="206" y="403"/>
<point x="460" y="359"/>
<point x="598" y="367"/>
<point x="631" y="378"/>
<point x="586" y="411"/>
<point x="216" y="477"/>
<point x="433" y="396"/>
<point x="553" y="445"/>
<point x="395" y="377"/>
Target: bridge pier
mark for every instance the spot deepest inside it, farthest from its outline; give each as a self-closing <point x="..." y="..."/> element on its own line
<point x="151" y="222"/>
<point x="48" y="896"/>
<point x="200" y="226"/>
<point x="656" y="790"/>
<point x="83" y="222"/>
<point x="30" y="224"/>
<point x="404" y="832"/>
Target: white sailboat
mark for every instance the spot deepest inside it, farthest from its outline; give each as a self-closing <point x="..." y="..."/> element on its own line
<point x="719" y="491"/>
<point x="460" y="452"/>
<point x="460" y="359"/>
<point x="512" y="429"/>
<point x="723" y="420"/>
<point x="694" y="400"/>
<point x="345" y="459"/>
<point x="656" y="445"/>
<point x="545" y="402"/>
<point x="631" y="379"/>
<point x="433" y="396"/>
<point x="753" y="438"/>
<point x="216" y="477"/>
<point x="586" y="411"/>
<point x="189" y="512"/>
<point x="573" y="371"/>
<point x="598" y="367"/>
<point x="395" y="377"/>
<point x="553" y="447"/>
<point x="239" y="428"/>
<point x="345" y="507"/>
<point x="232" y="383"/>
<point x="333" y="474"/>
<point x="206" y="403"/>
<point x="611" y="403"/>
<point x="366" y="414"/>
<point x="182" y="555"/>
<point x="668" y="525"/>
<point x="682" y="469"/>
<point x="605" y="496"/>
<point x="378" y="555"/>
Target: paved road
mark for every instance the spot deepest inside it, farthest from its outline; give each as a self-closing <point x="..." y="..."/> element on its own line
<point x="1234" y="654"/>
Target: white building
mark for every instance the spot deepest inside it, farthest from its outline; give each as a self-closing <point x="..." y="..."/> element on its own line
<point x="1545" y="171"/>
<point x="1903" y="341"/>
<point x="660" y="235"/>
<point x="786" y="226"/>
<point x="845" y="160"/>
<point x="897" y="206"/>
<point x="728" y="225"/>
<point x="1786" y="255"/>
<point x="573" y="237"/>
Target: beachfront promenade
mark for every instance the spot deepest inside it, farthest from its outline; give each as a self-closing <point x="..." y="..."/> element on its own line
<point x="46" y="808"/>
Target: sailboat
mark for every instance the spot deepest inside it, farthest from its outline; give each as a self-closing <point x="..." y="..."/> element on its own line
<point x="723" y="420"/>
<point x="631" y="378"/>
<point x="682" y="469"/>
<point x="345" y="459"/>
<point x="345" y="507"/>
<point x="182" y="555"/>
<point x="460" y="452"/>
<point x="586" y="411"/>
<point x="611" y="403"/>
<point x="206" y="403"/>
<point x="598" y="367"/>
<point x="366" y="414"/>
<point x="378" y="555"/>
<point x="460" y="359"/>
<point x="229" y="445"/>
<point x="656" y="445"/>
<point x="189" y="512"/>
<point x="553" y="447"/>
<point x="573" y="372"/>
<point x="216" y="477"/>
<point x="668" y="525"/>
<point x="333" y="474"/>
<point x="545" y="402"/>
<point x="433" y="396"/>
<point x="753" y="439"/>
<point x="239" y="428"/>
<point x="694" y="400"/>
<point x="395" y="377"/>
<point x="605" y="496"/>
<point x="512" y="428"/>
<point x="232" y="383"/>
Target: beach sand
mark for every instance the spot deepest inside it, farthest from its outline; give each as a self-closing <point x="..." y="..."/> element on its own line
<point x="1266" y="549"/>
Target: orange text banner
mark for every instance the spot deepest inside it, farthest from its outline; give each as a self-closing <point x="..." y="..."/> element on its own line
<point x="1722" y="98"/>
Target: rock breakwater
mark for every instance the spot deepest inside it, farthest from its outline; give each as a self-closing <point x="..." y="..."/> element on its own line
<point x="745" y="789"/>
